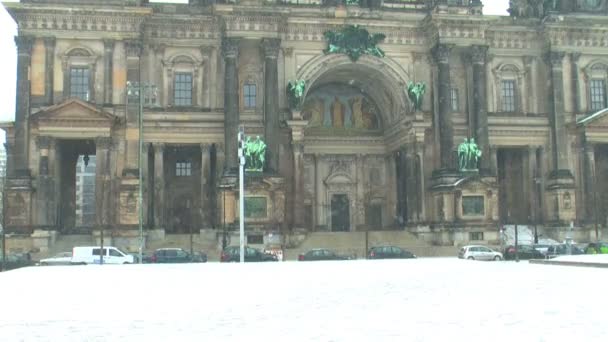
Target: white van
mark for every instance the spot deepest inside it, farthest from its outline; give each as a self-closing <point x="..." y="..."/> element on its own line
<point x="92" y="255"/>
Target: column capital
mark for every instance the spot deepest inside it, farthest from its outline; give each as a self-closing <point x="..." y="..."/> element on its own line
<point x="43" y="142"/>
<point x="103" y="142"/>
<point x="298" y="147"/>
<point x="575" y="56"/>
<point x="219" y="147"/>
<point x="133" y="48"/>
<point x="230" y="47"/>
<point x="207" y="51"/>
<point x="205" y="147"/>
<point x="24" y="44"/>
<point x="556" y="58"/>
<point x="108" y="45"/>
<point x="270" y="47"/>
<point x="158" y="147"/>
<point x="478" y="54"/>
<point x="441" y="53"/>
<point x="49" y="42"/>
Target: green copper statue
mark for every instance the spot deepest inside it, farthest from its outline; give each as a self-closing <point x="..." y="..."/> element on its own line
<point x="415" y="91"/>
<point x="255" y="153"/>
<point x="468" y="155"/>
<point x="295" y="93"/>
<point x="354" y="41"/>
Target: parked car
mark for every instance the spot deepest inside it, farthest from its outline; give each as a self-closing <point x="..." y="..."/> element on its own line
<point x="233" y="254"/>
<point x="525" y="252"/>
<point x="542" y="248"/>
<point x="389" y="252"/>
<point x="597" y="248"/>
<point x="176" y="255"/>
<point x="475" y="252"/>
<point x="92" y="255"/>
<point x="63" y="258"/>
<point x="563" y="249"/>
<point x="321" y="254"/>
<point x="16" y="260"/>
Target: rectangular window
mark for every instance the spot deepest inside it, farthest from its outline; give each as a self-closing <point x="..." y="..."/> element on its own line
<point x="472" y="205"/>
<point x="476" y="236"/>
<point x="454" y="103"/>
<point x="508" y="96"/>
<point x="183" y="169"/>
<point x="249" y="92"/>
<point x="182" y="95"/>
<point x="79" y="83"/>
<point x="598" y="94"/>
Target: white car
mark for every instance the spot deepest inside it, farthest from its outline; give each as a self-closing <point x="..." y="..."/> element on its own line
<point x="63" y="258"/>
<point x="477" y="252"/>
<point x="94" y="255"/>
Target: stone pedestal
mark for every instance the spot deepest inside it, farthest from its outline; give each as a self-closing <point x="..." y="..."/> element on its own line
<point x="560" y="197"/>
<point x="42" y="240"/>
<point x="18" y="207"/>
<point x="128" y="204"/>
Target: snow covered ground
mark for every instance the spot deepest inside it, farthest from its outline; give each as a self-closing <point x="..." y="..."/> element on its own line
<point x="434" y="299"/>
<point x="589" y="258"/>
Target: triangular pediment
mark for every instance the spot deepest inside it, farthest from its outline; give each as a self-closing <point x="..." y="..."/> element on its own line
<point x="74" y="110"/>
<point x="595" y="120"/>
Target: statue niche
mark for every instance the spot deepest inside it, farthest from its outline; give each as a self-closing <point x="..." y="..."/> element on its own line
<point x="337" y="109"/>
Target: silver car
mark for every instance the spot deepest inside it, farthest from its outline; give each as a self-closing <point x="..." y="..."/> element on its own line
<point x="63" y="258"/>
<point x="476" y="252"/>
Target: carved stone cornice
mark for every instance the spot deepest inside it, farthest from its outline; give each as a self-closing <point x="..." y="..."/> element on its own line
<point x="270" y="47"/>
<point x="479" y="54"/>
<point x="230" y="47"/>
<point x="24" y="44"/>
<point x="133" y="48"/>
<point x="72" y="19"/>
<point x="181" y="28"/>
<point x="103" y="143"/>
<point x="441" y="53"/>
<point x="44" y="142"/>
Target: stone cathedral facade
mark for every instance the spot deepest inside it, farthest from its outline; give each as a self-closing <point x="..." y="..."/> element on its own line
<point x="357" y="155"/>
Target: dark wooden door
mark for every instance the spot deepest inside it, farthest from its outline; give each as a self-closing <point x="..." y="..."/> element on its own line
<point x="340" y="213"/>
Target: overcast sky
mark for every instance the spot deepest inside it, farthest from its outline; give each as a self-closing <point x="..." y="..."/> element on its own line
<point x="8" y="59"/>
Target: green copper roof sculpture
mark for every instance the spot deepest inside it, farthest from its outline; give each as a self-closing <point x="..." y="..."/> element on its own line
<point x="354" y="41"/>
<point x="468" y="155"/>
<point x="295" y="93"/>
<point x="415" y="91"/>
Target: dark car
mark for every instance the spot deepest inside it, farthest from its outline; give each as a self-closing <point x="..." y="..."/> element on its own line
<point x="233" y="254"/>
<point x="525" y="252"/>
<point x="563" y="249"/>
<point x="175" y="256"/>
<point x="16" y="260"/>
<point x="389" y="252"/>
<point x="321" y="254"/>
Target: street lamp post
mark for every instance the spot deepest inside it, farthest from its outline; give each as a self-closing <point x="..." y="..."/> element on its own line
<point x="241" y="140"/>
<point x="139" y="89"/>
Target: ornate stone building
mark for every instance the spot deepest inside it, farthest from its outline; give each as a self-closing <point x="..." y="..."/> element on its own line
<point x="358" y="154"/>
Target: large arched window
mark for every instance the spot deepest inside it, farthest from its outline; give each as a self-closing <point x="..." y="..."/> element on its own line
<point x="508" y="82"/>
<point x="182" y="80"/>
<point x="79" y="66"/>
<point x="596" y="75"/>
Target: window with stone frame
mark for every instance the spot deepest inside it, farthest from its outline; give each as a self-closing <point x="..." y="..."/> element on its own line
<point x="476" y="236"/>
<point x="183" y="168"/>
<point x="249" y="95"/>
<point x="79" y="83"/>
<point x="597" y="92"/>
<point x="508" y="97"/>
<point x="454" y="104"/>
<point x="182" y="89"/>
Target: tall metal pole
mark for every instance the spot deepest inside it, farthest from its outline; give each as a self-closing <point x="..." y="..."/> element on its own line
<point x="140" y="161"/>
<point x="241" y="192"/>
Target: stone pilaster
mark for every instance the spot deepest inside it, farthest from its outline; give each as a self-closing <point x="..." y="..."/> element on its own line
<point x="560" y="146"/>
<point x="272" y="130"/>
<point x="22" y="110"/>
<point x="45" y="190"/>
<point x="298" y="188"/>
<point x="133" y="53"/>
<point x="206" y="186"/>
<point x="402" y="204"/>
<point x="103" y="184"/>
<point x="230" y="49"/>
<point x="49" y="69"/>
<point x="480" y="113"/>
<point x="441" y="54"/>
<point x="108" y="70"/>
<point x="576" y="95"/>
<point x="159" y="186"/>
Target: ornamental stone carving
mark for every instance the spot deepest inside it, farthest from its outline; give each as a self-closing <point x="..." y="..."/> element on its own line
<point x="556" y="58"/>
<point x="230" y="47"/>
<point x="441" y="53"/>
<point x="24" y="44"/>
<point x="478" y="54"/>
<point x="133" y="48"/>
<point x="270" y="47"/>
<point x="44" y="142"/>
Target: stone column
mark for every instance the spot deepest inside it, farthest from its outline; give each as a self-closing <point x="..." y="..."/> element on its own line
<point x="272" y="131"/>
<point x="402" y="184"/>
<point x="530" y="185"/>
<point x="22" y="110"/>
<point x="411" y="184"/>
<point x="359" y="203"/>
<point x="560" y="146"/>
<point x="159" y="186"/>
<point x="441" y="54"/>
<point x="45" y="194"/>
<point x="145" y="202"/>
<point x="133" y="53"/>
<point x="206" y="219"/>
<point x="108" y="70"/>
<point x="102" y="181"/>
<point x="49" y="69"/>
<point x="480" y="113"/>
<point x="298" y="188"/>
<point x="574" y="58"/>
<point x="591" y="195"/>
<point x="230" y="48"/>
